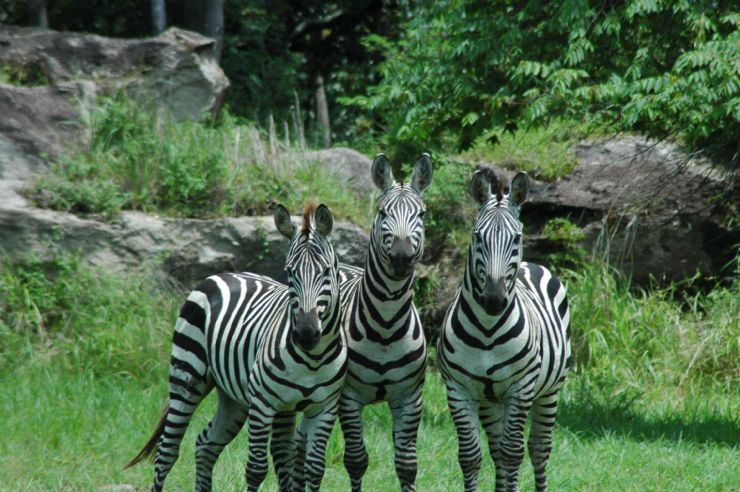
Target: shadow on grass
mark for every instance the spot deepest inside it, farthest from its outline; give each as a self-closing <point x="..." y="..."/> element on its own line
<point x="590" y="418"/>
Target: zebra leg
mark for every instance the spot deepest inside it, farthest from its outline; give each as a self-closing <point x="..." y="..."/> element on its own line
<point x="355" y="454"/>
<point x="406" y="419"/>
<point x="299" y="477"/>
<point x="539" y="443"/>
<point x="186" y="393"/>
<point x="492" y="419"/>
<point x="316" y="429"/>
<point x="465" y="416"/>
<point x="512" y="444"/>
<point x="259" y="423"/>
<point x="220" y="431"/>
<point x="282" y="448"/>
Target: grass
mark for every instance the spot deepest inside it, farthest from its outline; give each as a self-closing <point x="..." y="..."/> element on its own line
<point x="139" y="160"/>
<point x="653" y="404"/>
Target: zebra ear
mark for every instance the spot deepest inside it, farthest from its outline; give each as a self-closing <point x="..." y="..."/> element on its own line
<point x="324" y="220"/>
<point x="421" y="178"/>
<point x="283" y="222"/>
<point x="480" y="186"/>
<point x="381" y="172"/>
<point x="519" y="189"/>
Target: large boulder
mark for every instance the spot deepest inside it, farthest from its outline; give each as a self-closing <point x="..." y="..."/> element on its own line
<point x="646" y="207"/>
<point x="347" y="164"/>
<point x="176" y="70"/>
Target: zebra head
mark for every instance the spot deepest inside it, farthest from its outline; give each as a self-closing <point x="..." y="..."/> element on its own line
<point x="313" y="273"/>
<point x="496" y="248"/>
<point x="397" y="235"/>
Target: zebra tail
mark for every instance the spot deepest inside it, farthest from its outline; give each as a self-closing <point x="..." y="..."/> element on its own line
<point x="147" y="452"/>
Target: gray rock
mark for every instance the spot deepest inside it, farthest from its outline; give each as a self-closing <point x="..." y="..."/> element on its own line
<point x="347" y="164"/>
<point x="644" y="206"/>
<point x="176" y="70"/>
<point x="187" y="249"/>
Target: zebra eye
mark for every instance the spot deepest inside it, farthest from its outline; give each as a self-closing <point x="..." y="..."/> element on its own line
<point x="422" y="214"/>
<point x="382" y="214"/>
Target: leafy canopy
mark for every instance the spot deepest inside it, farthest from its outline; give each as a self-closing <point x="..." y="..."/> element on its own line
<point x="471" y="69"/>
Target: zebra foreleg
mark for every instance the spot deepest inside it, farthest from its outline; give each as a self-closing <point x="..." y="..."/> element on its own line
<point x="355" y="454"/>
<point x="512" y="444"/>
<point x="406" y="419"/>
<point x="539" y="443"/>
<point x="465" y="416"/>
<point x="282" y="448"/>
<point x="316" y="429"/>
<point x="220" y="431"/>
<point x="492" y="419"/>
<point x="259" y="424"/>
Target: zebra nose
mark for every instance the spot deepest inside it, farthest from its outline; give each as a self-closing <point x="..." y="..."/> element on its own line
<point x="494" y="295"/>
<point x="307" y="329"/>
<point x="401" y="254"/>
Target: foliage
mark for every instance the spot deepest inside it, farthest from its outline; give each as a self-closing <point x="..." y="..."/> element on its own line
<point x="141" y="161"/>
<point x="566" y="237"/>
<point x="668" y="69"/>
<point x="82" y="319"/>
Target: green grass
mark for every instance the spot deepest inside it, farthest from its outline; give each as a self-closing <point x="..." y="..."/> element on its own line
<point x="653" y="405"/>
<point x="543" y="152"/>
<point x="138" y="160"/>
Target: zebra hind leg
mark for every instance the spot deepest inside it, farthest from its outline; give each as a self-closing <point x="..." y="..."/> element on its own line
<point x="220" y="431"/>
<point x="186" y="393"/>
<point x="406" y="420"/>
<point x="539" y="443"/>
<point x="355" y="454"/>
<point x="465" y="417"/>
<point x="282" y="449"/>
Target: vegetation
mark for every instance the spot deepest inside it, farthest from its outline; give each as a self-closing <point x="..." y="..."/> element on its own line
<point x="138" y="160"/>
<point x="667" y="69"/>
<point x="85" y="354"/>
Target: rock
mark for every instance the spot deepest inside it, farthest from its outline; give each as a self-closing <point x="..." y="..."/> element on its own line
<point x="38" y="121"/>
<point x="187" y="249"/>
<point x="349" y="165"/>
<point x="646" y="207"/>
<point x="176" y="70"/>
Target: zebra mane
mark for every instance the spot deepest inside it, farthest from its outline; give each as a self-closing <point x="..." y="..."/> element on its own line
<point x="308" y="211"/>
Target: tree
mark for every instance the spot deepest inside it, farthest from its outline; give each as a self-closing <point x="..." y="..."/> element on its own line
<point x="467" y="70"/>
<point x="207" y="18"/>
<point x="159" y="15"/>
<point x="37" y="13"/>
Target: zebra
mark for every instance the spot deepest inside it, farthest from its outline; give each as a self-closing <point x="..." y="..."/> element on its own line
<point x="271" y="351"/>
<point x="387" y="348"/>
<point x="504" y="349"/>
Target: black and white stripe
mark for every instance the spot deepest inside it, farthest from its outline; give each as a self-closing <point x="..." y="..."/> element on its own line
<point x="387" y="349"/>
<point x="504" y="350"/>
<point x="270" y="351"/>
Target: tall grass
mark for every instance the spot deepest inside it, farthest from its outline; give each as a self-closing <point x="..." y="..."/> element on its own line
<point x="140" y="160"/>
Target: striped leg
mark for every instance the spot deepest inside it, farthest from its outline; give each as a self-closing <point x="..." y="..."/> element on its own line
<point x="299" y="477"/>
<point x="317" y="429"/>
<point x="186" y="393"/>
<point x="220" y="431"/>
<point x="282" y="448"/>
<point x="465" y="416"/>
<point x="512" y="444"/>
<point x="355" y="453"/>
<point x="539" y="443"/>
<point x="492" y="419"/>
<point x="406" y="419"/>
<point x="259" y="424"/>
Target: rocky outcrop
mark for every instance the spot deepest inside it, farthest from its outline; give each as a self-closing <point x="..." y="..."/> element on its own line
<point x="187" y="249"/>
<point x="349" y="165"/>
<point x="175" y="71"/>
<point x="646" y="207"/>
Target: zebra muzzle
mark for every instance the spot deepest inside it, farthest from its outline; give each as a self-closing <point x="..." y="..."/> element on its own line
<point x="494" y="298"/>
<point x="401" y="256"/>
<point x="307" y="329"/>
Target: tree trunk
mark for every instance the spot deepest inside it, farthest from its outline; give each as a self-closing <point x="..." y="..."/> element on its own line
<point x="214" y="25"/>
<point x="37" y="13"/>
<point x="322" y="112"/>
<point x="159" y="16"/>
